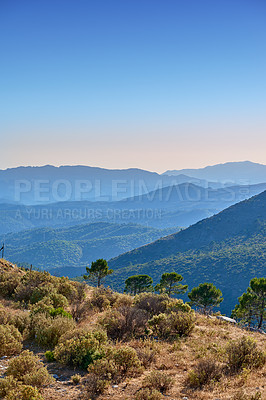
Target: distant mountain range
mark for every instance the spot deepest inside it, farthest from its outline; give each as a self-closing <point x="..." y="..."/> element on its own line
<point x="243" y="173"/>
<point x="49" y="184"/>
<point x="68" y="250"/>
<point x="177" y="205"/>
<point x="227" y="249"/>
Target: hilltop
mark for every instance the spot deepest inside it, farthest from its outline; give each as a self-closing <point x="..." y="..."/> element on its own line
<point x="243" y="172"/>
<point x="227" y="249"/>
<point x="65" y="340"/>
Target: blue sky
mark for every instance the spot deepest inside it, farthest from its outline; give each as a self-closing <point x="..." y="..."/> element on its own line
<point x="132" y="83"/>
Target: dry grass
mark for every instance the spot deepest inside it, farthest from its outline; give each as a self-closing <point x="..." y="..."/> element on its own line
<point x="175" y="359"/>
<point x="209" y="339"/>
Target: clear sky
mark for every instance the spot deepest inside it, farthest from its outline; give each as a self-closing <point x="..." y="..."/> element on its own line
<point x="154" y="84"/>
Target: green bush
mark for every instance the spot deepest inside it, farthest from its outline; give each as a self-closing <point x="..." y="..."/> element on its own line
<point x="81" y="351"/>
<point x="159" y="381"/>
<point x="205" y="372"/>
<point x="243" y="353"/>
<point x="49" y="355"/>
<point x="29" y="370"/>
<point x="55" y="312"/>
<point x="10" y="340"/>
<point x="47" y="331"/>
<point x="167" y="326"/>
<point x="176" y="305"/>
<point x="117" y="364"/>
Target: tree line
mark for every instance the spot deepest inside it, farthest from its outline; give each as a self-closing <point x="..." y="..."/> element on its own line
<point x="251" y="307"/>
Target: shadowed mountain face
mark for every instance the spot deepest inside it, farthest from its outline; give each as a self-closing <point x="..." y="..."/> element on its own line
<point x="227" y="249"/>
<point x="243" y="173"/>
<point x="175" y="205"/>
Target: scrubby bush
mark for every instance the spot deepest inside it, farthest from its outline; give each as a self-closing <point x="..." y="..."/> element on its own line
<point x="19" y="319"/>
<point x="81" y="351"/>
<point x="123" y="300"/>
<point x="241" y="395"/>
<point x="9" y="281"/>
<point x="147" y="351"/>
<point x="76" y="379"/>
<point x="148" y="394"/>
<point x="205" y="372"/>
<point x="159" y="381"/>
<point x="152" y="303"/>
<point x="49" y="355"/>
<point x="29" y="370"/>
<point x="11" y="389"/>
<point x="93" y="386"/>
<point x="47" y="330"/>
<point x="124" y="323"/>
<point x="171" y="325"/>
<point x="55" y="312"/>
<point x="117" y="364"/>
<point x="103" y="298"/>
<point x="36" y="284"/>
<point x="244" y="353"/>
<point x="10" y="340"/>
<point x="175" y="305"/>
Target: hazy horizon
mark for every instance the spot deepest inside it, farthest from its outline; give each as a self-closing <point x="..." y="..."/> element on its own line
<point x="130" y="167"/>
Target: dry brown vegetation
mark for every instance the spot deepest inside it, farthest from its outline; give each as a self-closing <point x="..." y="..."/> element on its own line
<point x="111" y="347"/>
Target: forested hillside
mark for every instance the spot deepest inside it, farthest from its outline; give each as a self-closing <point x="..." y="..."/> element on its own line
<point x="227" y="249"/>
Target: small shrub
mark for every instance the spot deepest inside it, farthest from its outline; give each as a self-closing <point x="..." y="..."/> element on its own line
<point x="9" y="281"/>
<point x="152" y="303"/>
<point x="117" y="364"/>
<point x="148" y="394"/>
<point x="93" y="386"/>
<point x="29" y="370"/>
<point x="81" y="351"/>
<point x="11" y="389"/>
<point x="10" y="340"/>
<point x="47" y="331"/>
<point x="18" y="318"/>
<point x="127" y="361"/>
<point x="242" y="396"/>
<point x="49" y="355"/>
<point x="243" y="353"/>
<point x="172" y="325"/>
<point x="146" y="356"/>
<point x="206" y="371"/>
<point x="55" y="312"/>
<point x="176" y="305"/>
<point x="29" y="393"/>
<point x="124" y="323"/>
<point x="158" y="380"/>
<point x="76" y="379"/>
